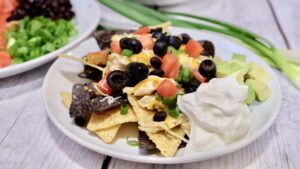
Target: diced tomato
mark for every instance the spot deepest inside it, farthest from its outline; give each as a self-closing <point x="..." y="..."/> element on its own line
<point x="103" y="85"/>
<point x="167" y="89"/>
<point x="142" y="31"/>
<point x="174" y="71"/>
<point x="115" y="47"/>
<point x="167" y="62"/>
<point x="5" y="59"/>
<point x="146" y="41"/>
<point x="170" y="65"/>
<point x="193" y="48"/>
<point x="196" y="74"/>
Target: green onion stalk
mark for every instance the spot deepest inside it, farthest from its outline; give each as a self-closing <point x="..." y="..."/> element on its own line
<point x="265" y="49"/>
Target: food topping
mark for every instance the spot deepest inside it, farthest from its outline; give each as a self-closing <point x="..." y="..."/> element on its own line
<point x="117" y="80"/>
<point x="136" y="72"/>
<point x="54" y="9"/>
<point x="160" y="116"/>
<point x="208" y="48"/>
<point x="208" y="68"/>
<point x="132" y="44"/>
<point x="155" y="62"/>
<point x="211" y="113"/>
<point x="160" y="48"/>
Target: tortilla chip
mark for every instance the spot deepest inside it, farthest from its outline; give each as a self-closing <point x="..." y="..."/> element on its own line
<point x="108" y="134"/>
<point x="109" y="118"/>
<point x="66" y="98"/>
<point x="166" y="143"/>
<point x="141" y="113"/>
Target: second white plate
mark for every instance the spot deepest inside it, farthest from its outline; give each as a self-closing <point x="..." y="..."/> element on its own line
<point x="85" y="22"/>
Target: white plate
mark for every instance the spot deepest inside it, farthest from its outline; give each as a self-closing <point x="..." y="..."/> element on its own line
<point x="85" y="22"/>
<point x="62" y="75"/>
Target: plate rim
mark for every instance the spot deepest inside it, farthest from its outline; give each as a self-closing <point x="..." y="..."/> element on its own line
<point x="41" y="60"/>
<point x="168" y="160"/>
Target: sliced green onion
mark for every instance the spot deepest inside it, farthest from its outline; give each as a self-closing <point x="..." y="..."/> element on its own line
<point x="185" y="75"/>
<point x="134" y="143"/>
<point x="127" y="52"/>
<point x="174" y="112"/>
<point x="169" y="101"/>
<point x="124" y="108"/>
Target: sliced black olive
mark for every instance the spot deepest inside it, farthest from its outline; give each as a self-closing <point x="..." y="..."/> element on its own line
<point x="131" y="44"/>
<point x="191" y="86"/>
<point x="91" y="73"/>
<point x="160" y="36"/>
<point x="136" y="72"/>
<point x="208" y="68"/>
<point x="208" y="46"/>
<point x="174" y="41"/>
<point x="117" y="79"/>
<point x="117" y="93"/>
<point x="80" y="121"/>
<point x="160" y="48"/>
<point x="156" y="30"/>
<point x="157" y="72"/>
<point x="160" y="116"/>
<point x="185" y="38"/>
<point x="155" y="62"/>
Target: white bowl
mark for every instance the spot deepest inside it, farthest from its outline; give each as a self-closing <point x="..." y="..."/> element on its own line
<point x="63" y="74"/>
<point x="86" y="20"/>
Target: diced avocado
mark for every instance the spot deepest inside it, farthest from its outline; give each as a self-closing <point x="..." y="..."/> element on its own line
<point x="239" y="57"/>
<point x="261" y="89"/>
<point x="258" y="72"/>
<point x="227" y="68"/>
<point x="251" y="93"/>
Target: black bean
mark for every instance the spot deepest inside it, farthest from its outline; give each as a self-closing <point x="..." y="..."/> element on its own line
<point x="160" y="116"/>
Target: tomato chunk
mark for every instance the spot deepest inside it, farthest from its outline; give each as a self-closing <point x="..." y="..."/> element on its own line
<point x="142" y="31"/>
<point x="167" y="89"/>
<point x="5" y="59"/>
<point x="167" y="62"/>
<point x="193" y="48"/>
<point x="146" y="41"/>
<point x="115" y="47"/>
<point x="103" y="85"/>
<point x="174" y="71"/>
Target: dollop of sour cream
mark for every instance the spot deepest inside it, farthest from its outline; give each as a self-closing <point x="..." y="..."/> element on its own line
<point x="217" y="113"/>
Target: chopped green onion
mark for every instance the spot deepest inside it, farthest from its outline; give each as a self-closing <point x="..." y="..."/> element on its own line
<point x="158" y="97"/>
<point x="134" y="143"/>
<point x="169" y="101"/>
<point x="124" y="108"/>
<point x="174" y="112"/>
<point x="185" y="75"/>
<point x="127" y="52"/>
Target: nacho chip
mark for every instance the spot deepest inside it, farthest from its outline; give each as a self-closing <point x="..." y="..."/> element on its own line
<point x="108" y="134"/>
<point x="166" y="143"/>
<point x="66" y="98"/>
<point x="109" y="118"/>
<point x="141" y="113"/>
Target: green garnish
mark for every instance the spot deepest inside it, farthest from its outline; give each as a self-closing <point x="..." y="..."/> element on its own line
<point x="185" y="75"/>
<point x="124" y="108"/>
<point x="265" y="49"/>
<point x="174" y="112"/>
<point x="169" y="101"/>
<point x="34" y="37"/>
<point x="127" y="52"/>
<point x="132" y="142"/>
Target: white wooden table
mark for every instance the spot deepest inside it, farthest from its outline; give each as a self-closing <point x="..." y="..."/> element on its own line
<point x="29" y="140"/>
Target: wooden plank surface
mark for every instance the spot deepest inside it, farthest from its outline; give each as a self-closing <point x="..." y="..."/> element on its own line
<point x="28" y="139"/>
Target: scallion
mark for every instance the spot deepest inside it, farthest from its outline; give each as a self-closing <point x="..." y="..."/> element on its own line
<point x="124" y="108"/>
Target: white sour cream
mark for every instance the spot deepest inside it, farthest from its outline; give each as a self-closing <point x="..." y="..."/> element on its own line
<point x="217" y="113"/>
